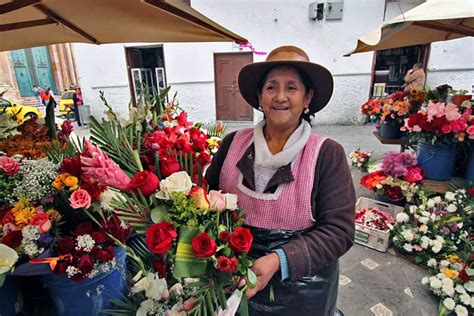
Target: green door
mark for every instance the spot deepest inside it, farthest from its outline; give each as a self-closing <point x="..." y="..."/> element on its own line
<point x="32" y="66"/>
<point x="42" y="67"/>
<point x="22" y="73"/>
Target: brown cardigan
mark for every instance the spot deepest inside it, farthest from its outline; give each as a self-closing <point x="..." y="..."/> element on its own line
<point x="333" y="206"/>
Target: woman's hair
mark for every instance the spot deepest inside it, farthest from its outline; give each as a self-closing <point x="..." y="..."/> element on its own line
<point x="304" y="79"/>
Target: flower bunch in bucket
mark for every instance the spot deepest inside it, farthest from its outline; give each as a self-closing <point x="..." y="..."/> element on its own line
<point x="440" y="123"/>
<point x="397" y="178"/>
<point x="439" y="226"/>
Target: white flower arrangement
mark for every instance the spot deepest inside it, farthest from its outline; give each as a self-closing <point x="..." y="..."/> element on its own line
<point x="36" y="178"/>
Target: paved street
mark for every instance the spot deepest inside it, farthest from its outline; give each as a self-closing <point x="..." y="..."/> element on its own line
<point x="371" y="282"/>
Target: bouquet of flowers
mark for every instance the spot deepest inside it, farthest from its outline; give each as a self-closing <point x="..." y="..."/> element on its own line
<point x="398" y="177"/>
<point x="439" y="123"/>
<point x="440" y="226"/>
<point x="360" y="159"/>
<point x="375" y="219"/>
<point x="453" y="282"/>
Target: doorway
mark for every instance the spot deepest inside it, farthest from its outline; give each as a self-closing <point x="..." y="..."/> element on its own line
<point x="230" y="105"/>
<point x="391" y="65"/>
<point x="146" y="70"/>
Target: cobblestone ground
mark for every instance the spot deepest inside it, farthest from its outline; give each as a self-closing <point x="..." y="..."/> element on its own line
<point x="371" y="282"/>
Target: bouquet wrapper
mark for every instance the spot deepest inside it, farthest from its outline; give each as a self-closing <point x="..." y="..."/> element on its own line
<point x="186" y="265"/>
<point x="28" y="269"/>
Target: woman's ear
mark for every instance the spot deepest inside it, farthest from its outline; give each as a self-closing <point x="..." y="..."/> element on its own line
<point x="308" y="97"/>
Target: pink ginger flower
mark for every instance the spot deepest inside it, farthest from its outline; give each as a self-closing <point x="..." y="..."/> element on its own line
<point x="435" y="109"/>
<point x="10" y="166"/>
<point x="452" y="112"/>
<point x="100" y="167"/>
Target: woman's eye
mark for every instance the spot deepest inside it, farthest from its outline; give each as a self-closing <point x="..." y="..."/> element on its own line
<point x="270" y="87"/>
<point x="291" y="88"/>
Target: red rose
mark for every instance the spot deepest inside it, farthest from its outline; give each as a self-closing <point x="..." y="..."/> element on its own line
<point x="203" y="246"/>
<point x="13" y="239"/>
<point x="234" y="264"/>
<point x="83" y="229"/>
<point x="85" y="264"/>
<point x="145" y="181"/>
<point x="159" y="237"/>
<point x="168" y="166"/>
<point x="223" y="264"/>
<point x="66" y="245"/>
<point x="61" y="267"/>
<point x="470" y="191"/>
<point x="224" y="236"/>
<point x="414" y="174"/>
<point x="160" y="268"/>
<point x="93" y="188"/>
<point x="99" y="237"/>
<point x="104" y="255"/>
<point x="115" y="227"/>
<point x="393" y="193"/>
<point x="42" y="221"/>
<point x="241" y="240"/>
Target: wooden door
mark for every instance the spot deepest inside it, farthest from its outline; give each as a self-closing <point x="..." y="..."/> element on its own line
<point x="230" y="105"/>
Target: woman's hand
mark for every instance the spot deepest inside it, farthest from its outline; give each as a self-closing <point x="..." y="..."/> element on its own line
<point x="264" y="268"/>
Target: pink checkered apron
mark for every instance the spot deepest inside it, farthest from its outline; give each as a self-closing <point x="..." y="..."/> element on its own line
<point x="289" y="207"/>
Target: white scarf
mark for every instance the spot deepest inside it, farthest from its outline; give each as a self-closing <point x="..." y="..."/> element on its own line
<point x="293" y="146"/>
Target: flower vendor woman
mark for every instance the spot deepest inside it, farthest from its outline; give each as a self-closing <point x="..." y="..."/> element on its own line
<point x="295" y="186"/>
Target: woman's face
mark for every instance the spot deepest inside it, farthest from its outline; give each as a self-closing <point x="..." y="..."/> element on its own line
<point x="283" y="98"/>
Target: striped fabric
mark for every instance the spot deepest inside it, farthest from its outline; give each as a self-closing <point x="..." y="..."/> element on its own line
<point x="289" y="207"/>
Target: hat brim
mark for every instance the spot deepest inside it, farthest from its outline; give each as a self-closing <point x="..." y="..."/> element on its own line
<point x="321" y="81"/>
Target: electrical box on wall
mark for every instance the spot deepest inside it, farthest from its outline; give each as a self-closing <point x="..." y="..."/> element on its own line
<point x="334" y="10"/>
<point x="316" y="11"/>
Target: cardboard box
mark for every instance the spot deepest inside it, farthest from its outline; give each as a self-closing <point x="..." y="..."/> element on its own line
<point x="370" y="237"/>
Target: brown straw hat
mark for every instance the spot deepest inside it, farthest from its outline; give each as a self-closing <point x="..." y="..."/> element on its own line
<point x="321" y="79"/>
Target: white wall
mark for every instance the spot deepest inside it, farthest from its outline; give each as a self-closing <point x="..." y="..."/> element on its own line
<point x="268" y="24"/>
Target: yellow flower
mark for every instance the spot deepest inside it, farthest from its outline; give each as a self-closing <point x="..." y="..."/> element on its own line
<point x="57" y="184"/>
<point x="453" y="258"/>
<point x="63" y="176"/>
<point x="23" y="216"/>
<point x="74" y="188"/>
<point x="21" y="204"/>
<point x="450" y="273"/>
<point x="71" y="181"/>
<point x="54" y="215"/>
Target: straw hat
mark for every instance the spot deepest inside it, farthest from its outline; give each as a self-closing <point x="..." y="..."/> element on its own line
<point x="321" y="79"/>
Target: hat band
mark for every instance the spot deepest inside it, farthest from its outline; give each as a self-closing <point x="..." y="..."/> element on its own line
<point x="287" y="56"/>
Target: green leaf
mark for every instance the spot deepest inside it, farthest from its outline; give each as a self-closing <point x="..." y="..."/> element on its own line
<point x="243" y="307"/>
<point x="159" y="212"/>
<point x="227" y="251"/>
<point x="252" y="279"/>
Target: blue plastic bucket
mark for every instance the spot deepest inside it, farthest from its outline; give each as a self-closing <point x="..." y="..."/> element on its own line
<point x="437" y="161"/>
<point x="383" y="198"/>
<point x="89" y="296"/>
<point x="469" y="175"/>
<point x="9" y="293"/>
<point x="390" y="130"/>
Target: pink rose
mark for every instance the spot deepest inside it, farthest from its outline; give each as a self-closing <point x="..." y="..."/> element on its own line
<point x="414" y="175"/>
<point x="80" y="198"/>
<point x="452" y="112"/>
<point x="42" y="221"/>
<point x="10" y="166"/>
<point x="470" y="131"/>
<point x="217" y="200"/>
<point x="199" y="196"/>
<point x="446" y="129"/>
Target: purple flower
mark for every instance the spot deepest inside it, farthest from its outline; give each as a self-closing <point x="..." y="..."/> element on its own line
<point x="454" y="227"/>
<point x="445" y="230"/>
<point x="396" y="164"/>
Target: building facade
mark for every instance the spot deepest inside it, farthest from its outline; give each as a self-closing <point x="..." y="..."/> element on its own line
<point x="204" y="74"/>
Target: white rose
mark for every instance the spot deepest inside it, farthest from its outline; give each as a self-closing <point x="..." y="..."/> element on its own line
<point x="408" y="235"/>
<point x="408" y="247"/>
<point x="413" y="209"/>
<point x="460" y="310"/>
<point x="449" y="303"/>
<point x="444" y="263"/>
<point x="423" y="228"/>
<point x="230" y="201"/>
<point x="460" y="289"/>
<point x="8" y="258"/>
<point x="465" y="298"/>
<point x="425" y="280"/>
<point x="433" y="217"/>
<point x="437" y="248"/>
<point x="450" y="196"/>
<point x="435" y="283"/>
<point x="469" y="286"/>
<point x="432" y="263"/>
<point x="177" y="182"/>
<point x="423" y="220"/>
<point x="437" y="199"/>
<point x="448" y="290"/>
<point x="451" y="208"/>
<point x="425" y="243"/>
<point x="421" y="207"/>
<point x="439" y="239"/>
<point x="402" y="217"/>
<point x="430" y="203"/>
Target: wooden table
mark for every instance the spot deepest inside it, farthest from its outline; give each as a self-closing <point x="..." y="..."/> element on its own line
<point x="404" y="143"/>
<point x="444" y="186"/>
